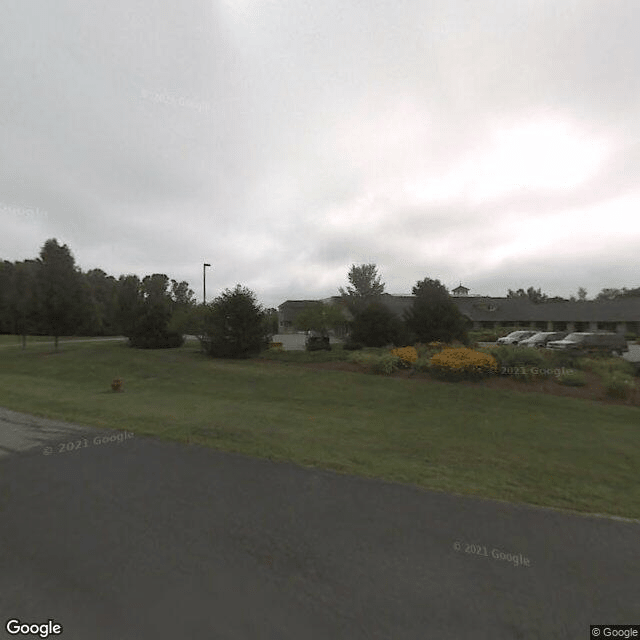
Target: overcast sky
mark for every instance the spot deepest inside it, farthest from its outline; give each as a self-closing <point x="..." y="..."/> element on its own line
<point x="490" y="143"/>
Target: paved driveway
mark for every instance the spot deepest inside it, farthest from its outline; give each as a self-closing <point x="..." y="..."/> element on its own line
<point x="296" y="341"/>
<point x="140" y="539"/>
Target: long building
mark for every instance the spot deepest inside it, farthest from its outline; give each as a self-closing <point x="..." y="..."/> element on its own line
<point x="621" y="315"/>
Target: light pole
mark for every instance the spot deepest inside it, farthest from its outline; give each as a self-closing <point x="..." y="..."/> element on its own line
<point x="204" y="282"/>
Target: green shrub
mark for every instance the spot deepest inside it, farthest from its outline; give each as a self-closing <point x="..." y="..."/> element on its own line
<point x="350" y="345"/>
<point x="559" y="358"/>
<point x="422" y="363"/>
<point x="514" y="357"/>
<point x="610" y="366"/>
<point x="572" y="379"/>
<point x="386" y="364"/>
<point x="619" y="385"/>
<point x="360" y="357"/>
<point x="376" y="363"/>
<point x="235" y="325"/>
<point x="587" y="364"/>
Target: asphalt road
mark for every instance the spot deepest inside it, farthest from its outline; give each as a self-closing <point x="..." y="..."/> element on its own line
<point x="141" y="539"/>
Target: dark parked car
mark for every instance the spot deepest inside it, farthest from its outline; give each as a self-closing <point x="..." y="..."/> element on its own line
<point x="541" y="339"/>
<point x="515" y="337"/>
<point x="584" y="343"/>
<point x="317" y="343"/>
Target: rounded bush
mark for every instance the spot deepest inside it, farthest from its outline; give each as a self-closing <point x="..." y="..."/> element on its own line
<point x="386" y="364"/>
<point x="618" y="385"/>
<point x="572" y="379"/>
<point x="383" y="364"/>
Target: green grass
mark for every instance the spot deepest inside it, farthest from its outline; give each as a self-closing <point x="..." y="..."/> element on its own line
<point x="17" y="340"/>
<point x="519" y="447"/>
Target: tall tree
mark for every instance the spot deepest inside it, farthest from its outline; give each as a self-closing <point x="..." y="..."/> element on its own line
<point x="152" y="323"/>
<point x="6" y="284"/>
<point x="62" y="296"/>
<point x="24" y="311"/>
<point x="129" y="304"/>
<point x="271" y="321"/>
<point x="582" y="294"/>
<point x="184" y="316"/>
<point x="102" y="293"/>
<point x="182" y="296"/>
<point x="434" y="316"/>
<point x="320" y="317"/>
<point x="366" y="287"/>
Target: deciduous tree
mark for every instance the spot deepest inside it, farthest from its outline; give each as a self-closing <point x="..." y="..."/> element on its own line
<point x="320" y="317"/>
<point x="434" y="316"/>
<point x="60" y="292"/>
<point x="366" y="287"/>
<point x="377" y="326"/>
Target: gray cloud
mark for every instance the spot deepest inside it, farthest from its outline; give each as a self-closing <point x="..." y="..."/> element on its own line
<point x="493" y="143"/>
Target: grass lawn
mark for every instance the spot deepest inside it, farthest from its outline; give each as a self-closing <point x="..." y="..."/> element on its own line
<point x="10" y="340"/>
<point x="520" y="447"/>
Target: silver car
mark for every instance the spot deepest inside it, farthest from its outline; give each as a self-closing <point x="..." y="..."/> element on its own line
<point x="539" y="340"/>
<point x="585" y="343"/>
<point x="515" y="337"/>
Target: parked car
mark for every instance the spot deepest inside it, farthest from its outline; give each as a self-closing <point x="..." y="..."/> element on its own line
<point x="317" y="343"/>
<point x="584" y="343"/>
<point x="541" y="339"/>
<point x="515" y="337"/>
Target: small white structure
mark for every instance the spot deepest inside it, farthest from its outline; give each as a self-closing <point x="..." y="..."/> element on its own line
<point x="460" y="291"/>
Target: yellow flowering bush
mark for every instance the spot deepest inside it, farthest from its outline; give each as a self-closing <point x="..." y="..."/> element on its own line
<point x="407" y="355"/>
<point x="462" y="363"/>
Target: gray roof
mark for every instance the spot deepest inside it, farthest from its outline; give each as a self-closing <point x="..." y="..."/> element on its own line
<point x="295" y="304"/>
<point x="522" y="309"/>
<point x="481" y="309"/>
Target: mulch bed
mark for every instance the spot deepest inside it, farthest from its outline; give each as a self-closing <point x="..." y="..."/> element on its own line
<point x="593" y="390"/>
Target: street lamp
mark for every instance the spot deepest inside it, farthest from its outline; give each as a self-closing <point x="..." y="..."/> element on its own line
<point x="204" y="282"/>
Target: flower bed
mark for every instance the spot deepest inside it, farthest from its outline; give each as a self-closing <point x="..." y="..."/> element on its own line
<point x="462" y="364"/>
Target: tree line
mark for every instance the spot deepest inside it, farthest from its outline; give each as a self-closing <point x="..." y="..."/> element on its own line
<point x="536" y="296"/>
<point x="50" y="295"/>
